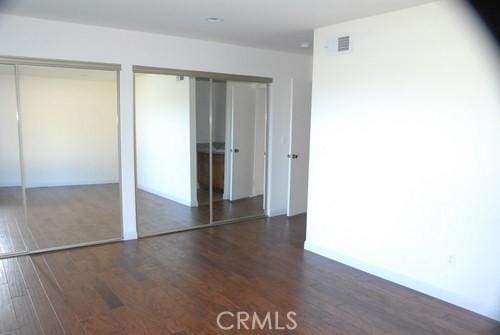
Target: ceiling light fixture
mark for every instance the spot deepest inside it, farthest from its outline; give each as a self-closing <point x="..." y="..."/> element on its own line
<point x="214" y="19"/>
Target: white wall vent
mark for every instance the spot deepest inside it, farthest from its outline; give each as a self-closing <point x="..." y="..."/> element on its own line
<point x="343" y="44"/>
<point x="339" y="45"/>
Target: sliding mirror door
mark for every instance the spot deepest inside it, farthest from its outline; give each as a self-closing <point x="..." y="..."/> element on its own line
<point x="218" y="156"/>
<point x="240" y="122"/>
<point x="70" y="150"/>
<point x="200" y="149"/>
<point x="12" y="214"/>
<point x="203" y="102"/>
<point x="171" y="130"/>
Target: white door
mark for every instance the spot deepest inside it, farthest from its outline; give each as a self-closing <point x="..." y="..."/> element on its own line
<point x="242" y="105"/>
<point x="300" y="124"/>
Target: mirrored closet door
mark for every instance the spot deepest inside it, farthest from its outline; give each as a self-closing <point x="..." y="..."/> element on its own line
<point x="69" y="121"/>
<point x="12" y="213"/>
<point x="240" y="133"/>
<point x="59" y="167"/>
<point x="171" y="138"/>
<point x="200" y="150"/>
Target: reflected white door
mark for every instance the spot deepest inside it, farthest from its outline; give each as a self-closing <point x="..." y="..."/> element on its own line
<point x="298" y="168"/>
<point x="241" y="107"/>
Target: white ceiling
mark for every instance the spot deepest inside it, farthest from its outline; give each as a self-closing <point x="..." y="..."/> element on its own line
<point x="270" y="24"/>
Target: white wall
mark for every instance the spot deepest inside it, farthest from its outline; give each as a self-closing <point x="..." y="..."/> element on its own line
<point x="405" y="153"/>
<point x="10" y="170"/>
<point x="163" y="135"/>
<point x="203" y="111"/>
<point x="69" y="127"/>
<point x="31" y="37"/>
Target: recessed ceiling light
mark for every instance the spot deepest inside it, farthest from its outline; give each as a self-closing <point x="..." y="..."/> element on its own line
<point x="214" y="19"/>
<point x="305" y="45"/>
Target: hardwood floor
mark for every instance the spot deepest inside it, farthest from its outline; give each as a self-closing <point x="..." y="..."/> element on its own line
<point x="156" y="214"/>
<point x="58" y="216"/>
<point x="204" y="196"/>
<point x="226" y="210"/>
<point x="11" y="219"/>
<point x="179" y="283"/>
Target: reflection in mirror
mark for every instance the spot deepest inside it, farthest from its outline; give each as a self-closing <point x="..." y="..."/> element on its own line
<point x="200" y="143"/>
<point x="12" y="218"/>
<point x="203" y="142"/>
<point x="166" y="164"/>
<point x="70" y="155"/>
<point x="240" y="122"/>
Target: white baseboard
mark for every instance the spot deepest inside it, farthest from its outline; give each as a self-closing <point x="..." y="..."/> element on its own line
<point x="417" y="285"/>
<point x="276" y="212"/>
<point x="181" y="201"/>
<point x="129" y="235"/>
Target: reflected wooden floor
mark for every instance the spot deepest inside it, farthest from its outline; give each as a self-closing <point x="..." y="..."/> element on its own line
<point x="156" y="214"/>
<point x="11" y="220"/>
<point x="179" y="283"/>
<point x="58" y="216"/>
<point x="204" y="196"/>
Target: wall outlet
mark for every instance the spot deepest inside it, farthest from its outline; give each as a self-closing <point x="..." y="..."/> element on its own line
<point x="452" y="260"/>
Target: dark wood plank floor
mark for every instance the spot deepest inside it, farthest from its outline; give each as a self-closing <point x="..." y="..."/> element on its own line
<point x="66" y="215"/>
<point x="178" y="283"/>
<point x="12" y="217"/>
<point x="156" y="214"/>
<point x="58" y="216"/>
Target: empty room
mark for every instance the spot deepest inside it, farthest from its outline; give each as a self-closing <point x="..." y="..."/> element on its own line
<point x="264" y="167"/>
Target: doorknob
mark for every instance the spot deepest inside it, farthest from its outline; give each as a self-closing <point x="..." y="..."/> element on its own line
<point x="236" y="150"/>
<point x="293" y="156"/>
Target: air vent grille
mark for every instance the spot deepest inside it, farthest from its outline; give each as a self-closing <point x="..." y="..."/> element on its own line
<point x="343" y="44"/>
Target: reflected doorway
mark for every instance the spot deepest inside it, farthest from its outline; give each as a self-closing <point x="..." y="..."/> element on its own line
<point x="200" y="151"/>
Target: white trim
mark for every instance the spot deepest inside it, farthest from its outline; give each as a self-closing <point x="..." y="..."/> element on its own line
<point x="415" y="284"/>
<point x="129" y="235"/>
<point x="193" y="203"/>
<point x="276" y="212"/>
